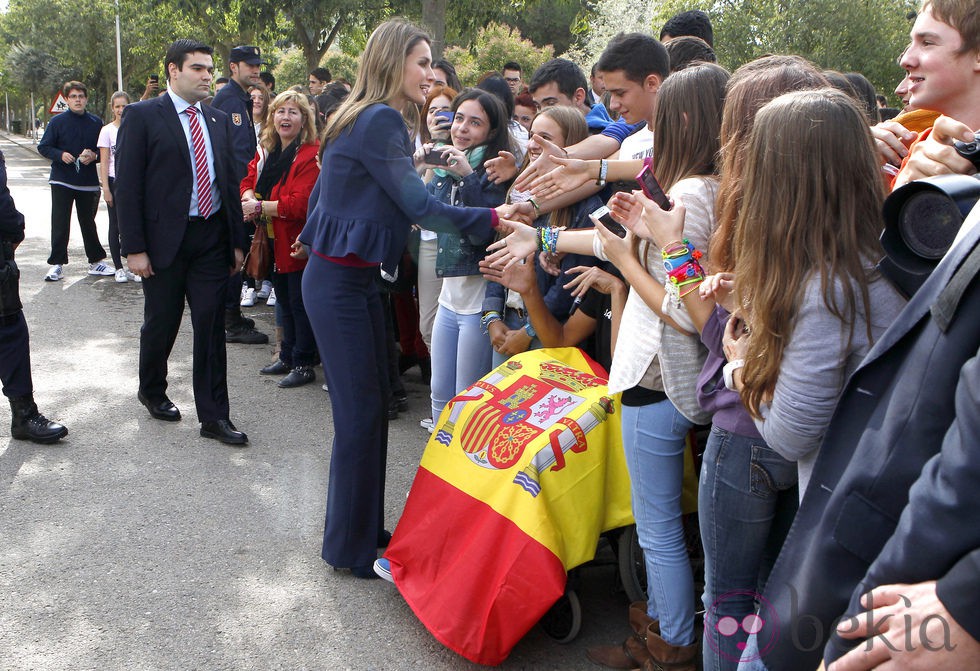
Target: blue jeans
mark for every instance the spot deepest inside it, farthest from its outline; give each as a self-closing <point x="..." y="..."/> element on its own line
<point x="460" y="356"/>
<point x="746" y="502"/>
<point x="653" y="438"/>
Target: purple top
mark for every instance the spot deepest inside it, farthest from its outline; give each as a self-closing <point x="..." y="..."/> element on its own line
<point x="724" y="404"/>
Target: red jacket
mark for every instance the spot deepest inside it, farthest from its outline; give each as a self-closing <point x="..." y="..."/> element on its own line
<point x="293" y="196"/>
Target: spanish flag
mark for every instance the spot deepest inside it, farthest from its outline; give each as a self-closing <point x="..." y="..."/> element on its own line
<point x="524" y="470"/>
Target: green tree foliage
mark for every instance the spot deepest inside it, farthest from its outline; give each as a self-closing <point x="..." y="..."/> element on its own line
<point x="495" y="45"/>
<point x="293" y="69"/>
<point x="551" y="22"/>
<point x="863" y="36"/>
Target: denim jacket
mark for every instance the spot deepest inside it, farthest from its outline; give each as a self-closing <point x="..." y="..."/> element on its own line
<point x="460" y="255"/>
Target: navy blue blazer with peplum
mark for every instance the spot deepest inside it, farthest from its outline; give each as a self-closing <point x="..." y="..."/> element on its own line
<point x="368" y="195"/>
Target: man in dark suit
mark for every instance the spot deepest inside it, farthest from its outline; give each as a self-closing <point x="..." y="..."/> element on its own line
<point x="182" y="230"/>
<point x="892" y="498"/>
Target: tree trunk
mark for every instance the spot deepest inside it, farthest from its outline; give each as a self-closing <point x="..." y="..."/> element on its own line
<point x="434" y="18"/>
<point x="309" y="41"/>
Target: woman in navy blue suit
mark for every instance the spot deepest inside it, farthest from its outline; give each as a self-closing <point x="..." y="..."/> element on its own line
<point x="361" y="210"/>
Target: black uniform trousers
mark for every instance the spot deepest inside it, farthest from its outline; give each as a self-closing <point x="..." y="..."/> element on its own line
<point x="15" y="356"/>
<point x="199" y="275"/>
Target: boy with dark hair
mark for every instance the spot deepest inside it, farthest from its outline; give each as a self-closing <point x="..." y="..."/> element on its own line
<point x="269" y="82"/>
<point x="70" y="142"/>
<point x="559" y="82"/>
<point x="319" y="78"/>
<point x="633" y="67"/>
<point x="512" y="75"/>
<point x="694" y="23"/>
<point x="684" y="51"/>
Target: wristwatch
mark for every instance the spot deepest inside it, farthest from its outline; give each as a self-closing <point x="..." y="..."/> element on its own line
<point x="529" y="330"/>
<point x="728" y="372"/>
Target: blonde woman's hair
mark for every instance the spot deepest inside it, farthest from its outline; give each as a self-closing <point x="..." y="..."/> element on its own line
<point x="380" y="76"/>
<point x="269" y="137"/>
<point x="811" y="205"/>
<point x="575" y="129"/>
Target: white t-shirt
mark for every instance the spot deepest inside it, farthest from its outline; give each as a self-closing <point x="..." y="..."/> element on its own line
<point x="107" y="139"/>
<point x="637" y="146"/>
<point x="463" y="295"/>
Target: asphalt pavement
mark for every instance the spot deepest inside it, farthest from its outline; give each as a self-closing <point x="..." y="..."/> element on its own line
<point x="137" y="544"/>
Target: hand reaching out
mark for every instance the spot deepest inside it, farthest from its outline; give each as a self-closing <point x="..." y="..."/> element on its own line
<point x="721" y="288"/>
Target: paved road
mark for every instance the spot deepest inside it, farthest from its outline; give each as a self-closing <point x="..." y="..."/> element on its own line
<point x="137" y="544"/>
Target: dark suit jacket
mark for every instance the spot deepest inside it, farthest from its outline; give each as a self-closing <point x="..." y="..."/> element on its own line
<point x="914" y="394"/>
<point x="154" y="180"/>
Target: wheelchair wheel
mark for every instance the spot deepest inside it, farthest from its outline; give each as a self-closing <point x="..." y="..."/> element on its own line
<point x="563" y="621"/>
<point x="632" y="569"/>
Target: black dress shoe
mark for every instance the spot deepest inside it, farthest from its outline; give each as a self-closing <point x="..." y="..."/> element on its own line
<point x="163" y="410"/>
<point x="298" y="377"/>
<point x="280" y="367"/>
<point x="223" y="430"/>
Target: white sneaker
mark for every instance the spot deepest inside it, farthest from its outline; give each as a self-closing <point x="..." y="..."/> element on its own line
<point x="428" y="424"/>
<point x="100" y="268"/>
<point x="121" y="276"/>
<point x="272" y="298"/>
<point x="248" y="298"/>
<point x="133" y="277"/>
<point x="55" y="273"/>
<point x="264" y="291"/>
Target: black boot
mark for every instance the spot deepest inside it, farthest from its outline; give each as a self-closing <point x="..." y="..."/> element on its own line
<point x="29" y="424"/>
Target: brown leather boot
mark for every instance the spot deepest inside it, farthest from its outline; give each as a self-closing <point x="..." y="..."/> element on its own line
<point x="633" y="651"/>
<point x="666" y="657"/>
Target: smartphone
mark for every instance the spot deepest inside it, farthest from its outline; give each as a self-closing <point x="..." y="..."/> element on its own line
<point x="436" y="157"/>
<point x="604" y="217"/>
<point x="155" y="79"/>
<point x="651" y="187"/>
<point x="448" y="115"/>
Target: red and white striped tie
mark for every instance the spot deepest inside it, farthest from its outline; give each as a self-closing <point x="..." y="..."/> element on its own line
<point x="204" y="204"/>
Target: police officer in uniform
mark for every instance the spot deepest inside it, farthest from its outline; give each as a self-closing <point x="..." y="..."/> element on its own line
<point x="15" y="350"/>
<point x="245" y="65"/>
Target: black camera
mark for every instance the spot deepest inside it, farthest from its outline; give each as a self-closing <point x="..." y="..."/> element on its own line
<point x="922" y="219"/>
<point x="970" y="150"/>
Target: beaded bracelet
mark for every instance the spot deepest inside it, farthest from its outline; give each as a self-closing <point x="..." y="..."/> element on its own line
<point x="548" y="239"/>
<point x="681" y="263"/>
<point x="489" y="318"/>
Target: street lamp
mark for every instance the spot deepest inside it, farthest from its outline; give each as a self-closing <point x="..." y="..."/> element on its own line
<point x="119" y="76"/>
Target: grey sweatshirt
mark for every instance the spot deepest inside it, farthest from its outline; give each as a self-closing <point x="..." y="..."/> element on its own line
<point x="816" y="363"/>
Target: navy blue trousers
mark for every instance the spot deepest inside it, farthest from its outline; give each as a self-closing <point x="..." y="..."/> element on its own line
<point x="344" y="308"/>
<point x="15" y="356"/>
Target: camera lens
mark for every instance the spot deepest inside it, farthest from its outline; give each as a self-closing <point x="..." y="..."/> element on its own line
<point x="928" y="223"/>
